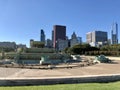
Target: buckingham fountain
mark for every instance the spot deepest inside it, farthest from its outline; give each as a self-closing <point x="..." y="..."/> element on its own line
<point x="37" y="57"/>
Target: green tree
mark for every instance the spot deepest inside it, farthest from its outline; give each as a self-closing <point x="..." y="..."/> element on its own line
<point x="38" y="44"/>
<point x="81" y="49"/>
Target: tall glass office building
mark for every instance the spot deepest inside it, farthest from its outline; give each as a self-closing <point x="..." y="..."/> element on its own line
<point x="114" y="33"/>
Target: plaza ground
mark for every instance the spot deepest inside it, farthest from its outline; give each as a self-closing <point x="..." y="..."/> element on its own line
<point x="98" y="69"/>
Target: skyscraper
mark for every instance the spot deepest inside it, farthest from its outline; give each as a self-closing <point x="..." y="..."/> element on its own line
<point x="59" y="33"/>
<point x="73" y="36"/>
<point x="52" y="38"/>
<point x="89" y="37"/>
<point x="42" y="35"/>
<point x="97" y="38"/>
<point x="73" y="40"/>
<point x="114" y="34"/>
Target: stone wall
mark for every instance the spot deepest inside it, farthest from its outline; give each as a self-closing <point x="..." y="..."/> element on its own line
<point x="62" y="80"/>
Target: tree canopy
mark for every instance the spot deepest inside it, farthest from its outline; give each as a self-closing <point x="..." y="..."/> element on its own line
<point x="38" y="44"/>
<point x="80" y="49"/>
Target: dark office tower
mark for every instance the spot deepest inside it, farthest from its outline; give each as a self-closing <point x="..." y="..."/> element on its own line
<point x="114" y="33"/>
<point x="59" y="33"/>
<point x="52" y="38"/>
<point x="42" y="36"/>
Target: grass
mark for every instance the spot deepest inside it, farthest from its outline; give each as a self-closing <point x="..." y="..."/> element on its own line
<point x="88" y="86"/>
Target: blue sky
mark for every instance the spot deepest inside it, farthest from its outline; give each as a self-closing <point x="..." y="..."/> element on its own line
<point x="21" y="20"/>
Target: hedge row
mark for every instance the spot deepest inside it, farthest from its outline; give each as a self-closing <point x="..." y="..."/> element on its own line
<point x="107" y="53"/>
<point x="39" y="50"/>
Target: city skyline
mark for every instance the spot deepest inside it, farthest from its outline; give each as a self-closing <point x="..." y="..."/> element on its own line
<point x="22" y="20"/>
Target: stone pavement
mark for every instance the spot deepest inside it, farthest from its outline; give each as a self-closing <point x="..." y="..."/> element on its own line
<point x="98" y="69"/>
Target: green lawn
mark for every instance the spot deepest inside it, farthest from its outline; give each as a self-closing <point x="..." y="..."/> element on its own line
<point x="88" y="86"/>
